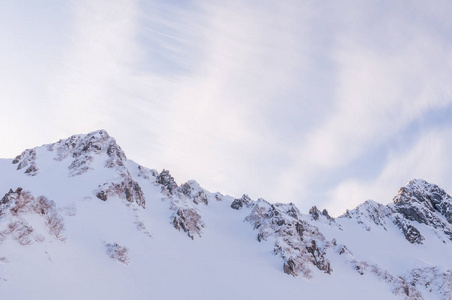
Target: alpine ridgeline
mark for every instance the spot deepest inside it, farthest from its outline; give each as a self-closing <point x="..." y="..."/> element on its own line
<point x="80" y="220"/>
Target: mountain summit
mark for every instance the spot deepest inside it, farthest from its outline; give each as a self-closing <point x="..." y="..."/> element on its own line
<point x="78" y="220"/>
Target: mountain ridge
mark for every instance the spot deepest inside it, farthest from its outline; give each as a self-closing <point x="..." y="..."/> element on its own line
<point x="94" y="168"/>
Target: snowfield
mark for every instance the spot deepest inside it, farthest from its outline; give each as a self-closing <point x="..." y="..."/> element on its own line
<point x="78" y="220"/>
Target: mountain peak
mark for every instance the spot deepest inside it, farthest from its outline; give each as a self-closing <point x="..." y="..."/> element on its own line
<point x="422" y="192"/>
<point x="81" y="148"/>
<point x="425" y="203"/>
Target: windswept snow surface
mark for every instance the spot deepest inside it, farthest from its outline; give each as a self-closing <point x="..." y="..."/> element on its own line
<point x="127" y="246"/>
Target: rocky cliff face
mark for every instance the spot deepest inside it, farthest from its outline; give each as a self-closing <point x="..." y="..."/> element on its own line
<point x="425" y="203"/>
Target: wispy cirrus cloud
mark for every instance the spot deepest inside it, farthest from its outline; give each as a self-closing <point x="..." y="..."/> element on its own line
<point x="387" y="77"/>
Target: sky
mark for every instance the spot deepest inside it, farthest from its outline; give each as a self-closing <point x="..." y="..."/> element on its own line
<point x="323" y="103"/>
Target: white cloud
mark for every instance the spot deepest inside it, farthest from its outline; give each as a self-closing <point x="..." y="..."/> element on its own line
<point x="387" y="77"/>
<point x="101" y="54"/>
<point x="217" y="111"/>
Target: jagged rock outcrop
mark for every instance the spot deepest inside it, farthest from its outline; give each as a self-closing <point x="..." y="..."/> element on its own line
<point x="299" y="243"/>
<point x="316" y="214"/>
<point x="429" y="195"/>
<point x="424" y="203"/>
<point x="183" y="200"/>
<point x="187" y="219"/>
<point x="15" y="205"/>
<point x="148" y="174"/>
<point x="167" y="182"/>
<point x="126" y="188"/>
<point x="9" y="199"/>
<point x="193" y="191"/>
<point x="245" y="200"/>
<point x="410" y="232"/>
<point x="27" y="160"/>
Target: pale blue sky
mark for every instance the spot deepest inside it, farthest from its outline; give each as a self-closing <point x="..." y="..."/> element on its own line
<point x="325" y="104"/>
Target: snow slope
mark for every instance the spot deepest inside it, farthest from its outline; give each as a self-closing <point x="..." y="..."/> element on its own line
<point x="108" y="228"/>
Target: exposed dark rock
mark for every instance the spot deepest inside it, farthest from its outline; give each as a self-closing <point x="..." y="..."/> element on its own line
<point x="147" y="173"/>
<point x="292" y="211"/>
<point x="299" y="229"/>
<point x="83" y="148"/>
<point x="425" y="203"/>
<point x="298" y="243"/>
<point x="239" y="203"/>
<point x="195" y="192"/>
<point x="15" y="204"/>
<point x="8" y="199"/>
<point x="116" y="156"/>
<point x="102" y="195"/>
<point x="409" y="231"/>
<point x="27" y="160"/>
<point x="418" y="214"/>
<point x="31" y="170"/>
<point x="188" y="220"/>
<point x="325" y="213"/>
<point x="127" y="189"/>
<point x="289" y="267"/>
<point x="167" y="181"/>
<point x="343" y="249"/>
<point x="315" y="213"/>
<point x="319" y="259"/>
<point x="419" y="201"/>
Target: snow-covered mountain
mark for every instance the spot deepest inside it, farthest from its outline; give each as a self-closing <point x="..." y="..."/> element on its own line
<point x="78" y="220"/>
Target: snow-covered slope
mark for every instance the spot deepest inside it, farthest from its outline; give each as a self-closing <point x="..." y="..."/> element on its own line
<point x="78" y="220"/>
